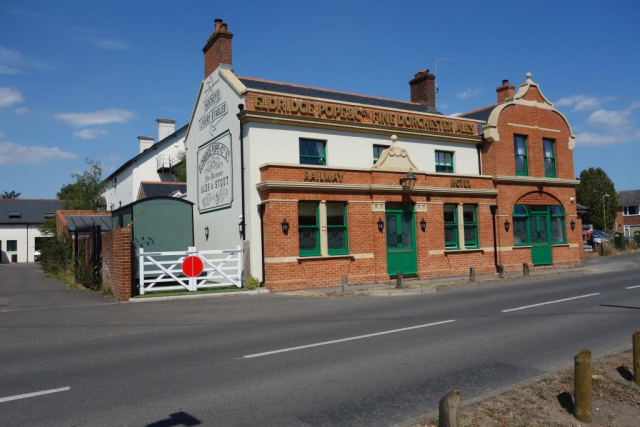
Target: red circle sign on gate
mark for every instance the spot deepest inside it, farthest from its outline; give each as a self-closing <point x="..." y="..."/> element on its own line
<point x="192" y="266"/>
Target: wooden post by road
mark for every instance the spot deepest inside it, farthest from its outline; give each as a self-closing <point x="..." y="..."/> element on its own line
<point x="525" y="269"/>
<point x="472" y="274"/>
<point x="449" y="414"/>
<point x="582" y="395"/>
<point x="399" y="280"/>
<point x="344" y="283"/>
<point x="636" y="357"/>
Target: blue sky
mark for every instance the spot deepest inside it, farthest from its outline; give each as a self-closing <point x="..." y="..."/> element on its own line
<point x="83" y="79"/>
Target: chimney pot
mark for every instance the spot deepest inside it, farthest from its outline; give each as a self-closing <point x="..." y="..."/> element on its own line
<point x="505" y="91"/>
<point x="423" y="89"/>
<point x="216" y="25"/>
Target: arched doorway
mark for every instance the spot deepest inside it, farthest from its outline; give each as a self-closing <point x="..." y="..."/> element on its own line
<point x="538" y="222"/>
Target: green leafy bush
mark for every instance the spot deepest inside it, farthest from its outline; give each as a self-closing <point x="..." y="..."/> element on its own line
<point x="251" y="283"/>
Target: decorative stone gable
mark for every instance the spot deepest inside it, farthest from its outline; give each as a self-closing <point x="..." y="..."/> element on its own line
<point x="395" y="158"/>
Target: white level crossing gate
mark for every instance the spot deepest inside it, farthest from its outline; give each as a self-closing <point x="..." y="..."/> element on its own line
<point x="164" y="271"/>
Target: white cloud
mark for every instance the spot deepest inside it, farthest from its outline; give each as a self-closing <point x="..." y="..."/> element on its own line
<point x="1" y="134"/>
<point x="100" y="117"/>
<point x="610" y="118"/>
<point x="109" y="44"/>
<point x="91" y="133"/>
<point x="22" y="110"/>
<point x="594" y="139"/>
<point x="14" y="153"/>
<point x="113" y="157"/>
<point x="9" y="96"/>
<point x="583" y="102"/>
<point x="467" y="93"/>
<point x="13" y="62"/>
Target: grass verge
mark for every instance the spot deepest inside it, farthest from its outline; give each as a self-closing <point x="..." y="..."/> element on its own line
<point x="226" y="289"/>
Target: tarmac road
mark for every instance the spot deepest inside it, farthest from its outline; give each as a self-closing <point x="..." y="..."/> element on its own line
<point x="284" y="360"/>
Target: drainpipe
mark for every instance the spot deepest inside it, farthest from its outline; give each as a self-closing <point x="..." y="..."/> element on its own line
<point x="494" y="210"/>
<point x="479" y="160"/>
<point x="244" y="221"/>
<point x="261" y="209"/>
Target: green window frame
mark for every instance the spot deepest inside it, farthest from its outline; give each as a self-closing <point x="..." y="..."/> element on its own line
<point x="12" y="245"/>
<point x="313" y="152"/>
<point x="337" y="229"/>
<point x="308" y="228"/>
<point x="521" y="155"/>
<point x="444" y="161"/>
<point x="470" y="222"/>
<point x="557" y="225"/>
<point x="377" y="152"/>
<point x="549" y="154"/>
<point x="451" y="226"/>
<point x="521" y="226"/>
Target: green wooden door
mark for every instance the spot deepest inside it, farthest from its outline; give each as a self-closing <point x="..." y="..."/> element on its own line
<point x="401" y="246"/>
<point x="540" y="224"/>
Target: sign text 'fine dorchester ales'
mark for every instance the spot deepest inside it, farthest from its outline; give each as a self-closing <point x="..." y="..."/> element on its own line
<point x="215" y="174"/>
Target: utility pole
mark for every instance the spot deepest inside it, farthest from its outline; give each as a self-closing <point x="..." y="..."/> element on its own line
<point x="435" y="71"/>
<point x="604" y="213"/>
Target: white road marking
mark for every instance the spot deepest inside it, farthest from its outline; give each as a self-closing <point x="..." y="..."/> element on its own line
<point x="633" y="287"/>
<point x="37" y="393"/>
<point x="359" y="337"/>
<point x="549" y="302"/>
<point x="10" y="310"/>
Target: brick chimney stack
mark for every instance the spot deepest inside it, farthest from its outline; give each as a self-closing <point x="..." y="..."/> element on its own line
<point x="423" y="89"/>
<point x="218" y="48"/>
<point x="505" y="91"/>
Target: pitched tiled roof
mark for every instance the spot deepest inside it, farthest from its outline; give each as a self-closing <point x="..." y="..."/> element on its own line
<point x="629" y="198"/>
<point x="334" y="95"/>
<point x="31" y="211"/>
<point x="154" y="189"/>
<point x="83" y="222"/>
<point x="479" y="114"/>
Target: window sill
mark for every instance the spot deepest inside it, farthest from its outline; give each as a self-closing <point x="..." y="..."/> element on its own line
<point x="450" y="251"/>
<point x="522" y="247"/>
<point x="317" y="257"/>
<point x="560" y="244"/>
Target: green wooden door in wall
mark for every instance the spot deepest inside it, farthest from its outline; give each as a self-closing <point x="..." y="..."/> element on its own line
<point x="540" y="224"/>
<point x="401" y="246"/>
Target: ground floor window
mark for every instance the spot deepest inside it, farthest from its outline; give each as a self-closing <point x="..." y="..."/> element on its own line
<point x="323" y="228"/>
<point x="12" y="245"/>
<point x="538" y="224"/>
<point x="470" y="216"/>
<point x="451" y="226"/>
<point x="308" y="228"/>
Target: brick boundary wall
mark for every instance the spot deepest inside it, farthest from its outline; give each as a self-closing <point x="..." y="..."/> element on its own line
<point x="117" y="263"/>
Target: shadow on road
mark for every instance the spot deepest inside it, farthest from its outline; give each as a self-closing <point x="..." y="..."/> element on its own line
<point x="619" y="306"/>
<point x="177" y="419"/>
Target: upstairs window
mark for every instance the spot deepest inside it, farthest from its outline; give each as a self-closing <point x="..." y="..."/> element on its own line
<point x="313" y="152"/>
<point x="630" y="210"/>
<point x="377" y="152"/>
<point x="520" y="148"/>
<point x="549" y="158"/>
<point x="444" y="161"/>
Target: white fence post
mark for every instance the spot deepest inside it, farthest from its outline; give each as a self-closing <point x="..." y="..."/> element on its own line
<point x="240" y="258"/>
<point x="193" y="281"/>
<point x="141" y="271"/>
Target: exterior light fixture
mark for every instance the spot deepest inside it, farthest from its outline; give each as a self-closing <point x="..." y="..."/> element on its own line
<point x="423" y="225"/>
<point x="380" y="225"/>
<point x="241" y="226"/>
<point x="206" y="232"/>
<point x="285" y="226"/>
<point x="507" y="224"/>
<point x="410" y="176"/>
<point x="573" y="225"/>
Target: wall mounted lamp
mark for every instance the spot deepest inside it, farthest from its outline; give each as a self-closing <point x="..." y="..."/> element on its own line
<point x="206" y="232"/>
<point x="285" y="226"/>
<point x="423" y="225"/>
<point x="380" y="225"/>
<point x="507" y="224"/>
<point x="573" y="225"/>
<point x="410" y="176"/>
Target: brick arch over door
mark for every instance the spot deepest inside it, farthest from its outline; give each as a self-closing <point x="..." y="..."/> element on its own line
<point x="538" y="198"/>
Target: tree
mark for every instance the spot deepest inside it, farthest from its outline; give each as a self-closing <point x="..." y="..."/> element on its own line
<point x="84" y="192"/>
<point x="594" y="184"/>
<point x="10" y="195"/>
<point x="180" y="170"/>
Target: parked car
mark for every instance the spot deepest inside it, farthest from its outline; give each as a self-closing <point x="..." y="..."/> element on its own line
<point x="600" y="236"/>
<point x="36" y="256"/>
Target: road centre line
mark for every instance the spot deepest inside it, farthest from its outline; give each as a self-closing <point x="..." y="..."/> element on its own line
<point x="392" y="331"/>
<point x="549" y="302"/>
<point x="37" y="393"/>
<point x="633" y="287"/>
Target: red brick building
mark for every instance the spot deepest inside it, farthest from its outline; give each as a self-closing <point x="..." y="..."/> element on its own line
<point x="339" y="184"/>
